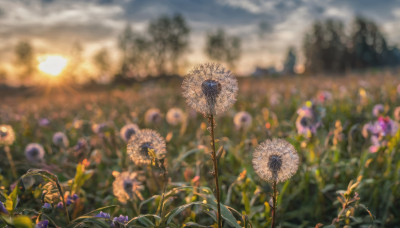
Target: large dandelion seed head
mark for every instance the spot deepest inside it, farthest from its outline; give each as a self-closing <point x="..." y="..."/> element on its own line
<point x="7" y="135"/>
<point x="128" y="131"/>
<point x="242" y="120"/>
<point x="210" y="89"/>
<point x="60" y="139"/>
<point x="275" y="160"/>
<point x="153" y="116"/>
<point x="127" y="186"/>
<point x="175" y="116"/>
<point x="34" y="152"/>
<point x="146" y="146"/>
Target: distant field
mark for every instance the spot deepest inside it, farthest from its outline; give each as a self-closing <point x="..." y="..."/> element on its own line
<point x="331" y="157"/>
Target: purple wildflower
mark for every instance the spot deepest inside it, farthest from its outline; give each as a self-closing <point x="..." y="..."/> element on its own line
<point x="42" y="224"/>
<point x="46" y="206"/>
<point x="378" y="131"/>
<point x="43" y="122"/>
<point x="3" y="209"/>
<point x="119" y="220"/>
<point x="103" y="215"/>
<point x="60" y="205"/>
<point x="309" y="120"/>
<point x="378" y="110"/>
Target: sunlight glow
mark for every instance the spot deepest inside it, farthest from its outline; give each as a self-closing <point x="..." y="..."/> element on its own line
<point x="52" y="64"/>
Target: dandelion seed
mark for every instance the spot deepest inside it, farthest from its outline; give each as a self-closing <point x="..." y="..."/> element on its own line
<point x="7" y="135"/>
<point x="34" y="152"/>
<point x="378" y="110"/>
<point x="146" y="146"/>
<point x="242" y="120"/>
<point x="152" y="116"/>
<point x="60" y="139"/>
<point x="127" y="186"/>
<point x="128" y="131"/>
<point x="210" y="89"/>
<point x="275" y="160"/>
<point x="175" y="116"/>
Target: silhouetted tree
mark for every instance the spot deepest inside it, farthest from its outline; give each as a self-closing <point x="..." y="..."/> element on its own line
<point x="290" y="62"/>
<point x="368" y="46"/>
<point x="25" y="59"/>
<point x="102" y="61"/>
<point x="169" y="38"/>
<point x="223" y="48"/>
<point x="324" y="47"/>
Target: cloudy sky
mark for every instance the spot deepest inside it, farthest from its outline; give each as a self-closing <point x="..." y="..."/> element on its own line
<point x="55" y="26"/>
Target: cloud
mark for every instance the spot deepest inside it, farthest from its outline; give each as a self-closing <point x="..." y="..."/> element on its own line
<point x="56" y="24"/>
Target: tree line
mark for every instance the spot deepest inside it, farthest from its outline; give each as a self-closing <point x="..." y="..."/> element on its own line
<point x="328" y="49"/>
<point x="162" y="47"/>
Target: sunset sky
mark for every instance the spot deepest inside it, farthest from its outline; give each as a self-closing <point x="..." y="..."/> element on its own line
<point x="54" y="26"/>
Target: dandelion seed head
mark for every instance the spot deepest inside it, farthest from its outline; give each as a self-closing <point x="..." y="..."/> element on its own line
<point x="242" y="120"/>
<point x="34" y="152"/>
<point x="128" y="131"/>
<point x="275" y="160"/>
<point x="210" y="88"/>
<point x="7" y="135"/>
<point x="153" y="116"/>
<point x="127" y="185"/>
<point x="175" y="116"/>
<point x="60" y="139"/>
<point x="146" y="140"/>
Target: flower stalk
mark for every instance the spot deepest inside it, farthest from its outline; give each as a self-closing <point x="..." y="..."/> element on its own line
<point x="215" y="163"/>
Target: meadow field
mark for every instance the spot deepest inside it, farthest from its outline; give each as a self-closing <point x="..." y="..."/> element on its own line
<point x="344" y="129"/>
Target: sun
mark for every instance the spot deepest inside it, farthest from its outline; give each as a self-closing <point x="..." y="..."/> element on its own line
<point x="52" y="64"/>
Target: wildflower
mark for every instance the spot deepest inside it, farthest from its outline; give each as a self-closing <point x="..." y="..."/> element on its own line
<point x="7" y="135"/>
<point x="99" y="128"/>
<point x="81" y="144"/>
<point x="46" y="206"/>
<point x="309" y="119"/>
<point x="242" y="120"/>
<point x="127" y="186"/>
<point x="103" y="215"/>
<point x="378" y="131"/>
<point x="152" y="116"/>
<point x="378" y="110"/>
<point x="147" y="146"/>
<point x="60" y="139"/>
<point x="275" y="160"/>
<point x="128" y="131"/>
<point x="34" y="152"/>
<point x="324" y="96"/>
<point x="119" y="220"/>
<point x="42" y="224"/>
<point x="396" y="113"/>
<point x="3" y="209"/>
<point x="60" y="205"/>
<point x="210" y="89"/>
<point x="43" y="122"/>
<point x="175" y="116"/>
<point x="75" y="197"/>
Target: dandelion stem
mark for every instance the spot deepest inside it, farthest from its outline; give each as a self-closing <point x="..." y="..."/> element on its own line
<point x="10" y="160"/>
<point x="165" y="185"/>
<point x="274" y="205"/>
<point x="215" y="162"/>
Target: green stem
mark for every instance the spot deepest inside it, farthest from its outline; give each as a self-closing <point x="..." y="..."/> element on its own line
<point x="10" y="160"/>
<point x="164" y="187"/>
<point x="215" y="162"/>
<point x="274" y="205"/>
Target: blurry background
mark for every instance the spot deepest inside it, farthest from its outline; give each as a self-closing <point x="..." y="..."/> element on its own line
<point x="103" y="41"/>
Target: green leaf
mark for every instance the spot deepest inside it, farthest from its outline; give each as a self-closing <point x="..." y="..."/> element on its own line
<point x="22" y="222"/>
